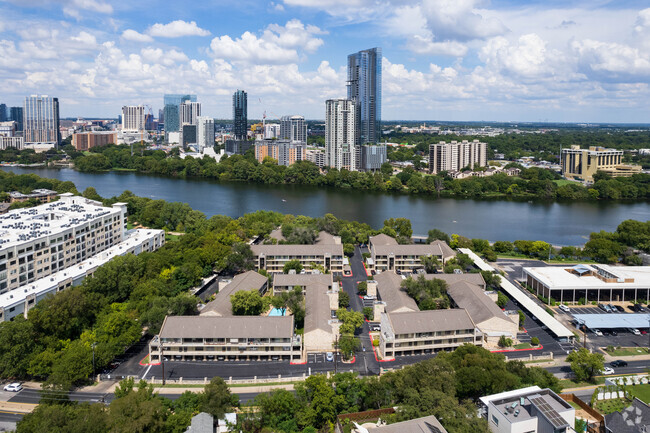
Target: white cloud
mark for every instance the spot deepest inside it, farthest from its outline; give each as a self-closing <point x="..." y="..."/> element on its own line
<point x="132" y="35"/>
<point x="423" y="45"/>
<point x="528" y="57"/>
<point x="176" y="29"/>
<point x="277" y="44"/>
<point x="612" y="61"/>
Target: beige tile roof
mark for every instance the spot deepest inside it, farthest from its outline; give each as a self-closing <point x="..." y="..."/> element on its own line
<point x="382" y="239"/>
<point x="472" y="298"/>
<point x="227" y="327"/>
<point x="297" y="250"/>
<point x="391" y="292"/>
<point x="427" y="424"/>
<point x="325" y="238"/>
<point x="473" y="278"/>
<point x="221" y="306"/>
<point x="437" y="248"/>
<point x="317" y="310"/>
<point x="430" y="321"/>
<point x="304" y="280"/>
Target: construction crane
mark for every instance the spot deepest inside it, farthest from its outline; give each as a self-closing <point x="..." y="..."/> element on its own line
<point x="149" y="113"/>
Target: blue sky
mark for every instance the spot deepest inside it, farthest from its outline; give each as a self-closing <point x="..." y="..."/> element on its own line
<point x="443" y="59"/>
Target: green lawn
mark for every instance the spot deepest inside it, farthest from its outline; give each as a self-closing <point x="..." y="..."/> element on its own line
<point x="129" y="226"/>
<point x="642" y="392"/>
<point x="575" y="405"/>
<point x="613" y="405"/>
<point x="522" y="346"/>
<point x="562" y="182"/>
<point x="568" y="383"/>
<point x="169" y="237"/>
<point x="629" y="351"/>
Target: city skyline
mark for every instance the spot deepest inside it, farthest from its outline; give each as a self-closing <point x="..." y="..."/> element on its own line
<point x="466" y="61"/>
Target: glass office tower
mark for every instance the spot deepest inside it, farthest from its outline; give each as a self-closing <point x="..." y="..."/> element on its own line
<point x="364" y="87"/>
<point x="171" y="111"/>
<point x="41" y="120"/>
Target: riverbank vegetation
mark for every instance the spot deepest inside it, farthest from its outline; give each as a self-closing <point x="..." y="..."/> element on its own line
<point x="532" y="183"/>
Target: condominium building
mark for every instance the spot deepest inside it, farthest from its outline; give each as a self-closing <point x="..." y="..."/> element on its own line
<point x="315" y="156"/>
<point x="220" y="306"/>
<point x="240" y="114"/>
<point x="189" y="112"/>
<point x="133" y="118"/>
<point x="364" y="87"/>
<point x="171" y="111"/>
<point x="527" y="410"/>
<point x="582" y="164"/>
<point x="36" y="242"/>
<point x="340" y="134"/>
<point x="43" y="195"/>
<point x="293" y="128"/>
<point x="590" y="283"/>
<point x="420" y="332"/>
<point x="19" y="302"/>
<point x="205" y="132"/>
<point x="87" y="140"/>
<point x="16" y="114"/>
<point x="388" y="255"/>
<point x="284" y="151"/>
<point x="272" y="258"/>
<point x="41" y="122"/>
<point x="188" y="134"/>
<point x="206" y="338"/>
<point x="3" y="113"/>
<point x="455" y="156"/>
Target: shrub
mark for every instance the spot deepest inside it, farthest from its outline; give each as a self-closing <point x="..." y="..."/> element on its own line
<point x="505" y="342"/>
<point x="375" y="342"/>
<point x="534" y="341"/>
<point x="369" y="313"/>
<point x="362" y="287"/>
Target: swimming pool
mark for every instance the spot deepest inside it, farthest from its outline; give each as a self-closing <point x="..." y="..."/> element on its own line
<point x="276" y="312"/>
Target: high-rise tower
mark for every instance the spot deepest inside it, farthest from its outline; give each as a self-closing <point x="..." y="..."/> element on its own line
<point x="364" y="87"/>
<point x="240" y="114"/>
<point x="340" y="133"/>
<point x="41" y="120"/>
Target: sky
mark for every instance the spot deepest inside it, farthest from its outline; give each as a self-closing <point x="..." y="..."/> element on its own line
<point x="446" y="60"/>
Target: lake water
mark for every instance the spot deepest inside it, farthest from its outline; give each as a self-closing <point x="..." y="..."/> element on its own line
<point x="565" y="223"/>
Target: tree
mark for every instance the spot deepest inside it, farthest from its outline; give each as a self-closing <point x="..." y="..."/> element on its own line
<point x="352" y="320"/>
<point x="534" y="341"/>
<point x="348" y="344"/>
<point x="435" y="234"/>
<point x="362" y="287"/>
<point x="247" y="303"/>
<point x="292" y="264"/>
<point x="70" y="418"/>
<point x="502" y="246"/>
<point x="368" y="313"/>
<point x="400" y="226"/>
<point x="502" y="300"/>
<point x="428" y="294"/>
<point x="505" y="342"/>
<point x="430" y="263"/>
<point x="240" y="258"/>
<point x="138" y="410"/>
<point x="492" y="280"/>
<point x="585" y="365"/>
<point x="344" y="299"/>
<point x="217" y="399"/>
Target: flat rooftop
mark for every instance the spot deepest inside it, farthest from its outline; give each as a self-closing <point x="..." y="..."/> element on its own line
<point x="543" y="403"/>
<point x="581" y="276"/>
<point x="24" y="225"/>
<point x="44" y="285"/>
<point x="613" y="321"/>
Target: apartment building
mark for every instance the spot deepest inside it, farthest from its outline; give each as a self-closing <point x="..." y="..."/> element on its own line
<point x="316" y="156"/>
<point x="388" y="255"/>
<point x="321" y="324"/>
<point x="527" y="410"/>
<point x="272" y="258"/>
<point x="36" y="242"/>
<point x="455" y="156"/>
<point x="87" y="140"/>
<point x="287" y="282"/>
<point x="43" y="195"/>
<point x="582" y="164"/>
<point x="285" y="152"/>
<point x="210" y="338"/>
<point x="420" y="332"/>
<point x="133" y="119"/>
<point x="17" y="302"/>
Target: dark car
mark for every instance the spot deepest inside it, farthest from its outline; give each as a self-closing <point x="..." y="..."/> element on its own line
<point x="614" y="333"/>
<point x="618" y="363"/>
<point x="620" y="309"/>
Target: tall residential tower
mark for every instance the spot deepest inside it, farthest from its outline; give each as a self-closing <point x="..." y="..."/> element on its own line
<point x="293" y="128"/>
<point x="240" y="114"/>
<point x="171" y="111"/>
<point x="41" y="121"/>
<point x="364" y="87"/>
<point x="340" y="133"/>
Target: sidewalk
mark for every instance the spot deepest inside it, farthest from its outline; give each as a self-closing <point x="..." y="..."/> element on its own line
<point x="108" y="387"/>
<point x="6" y="406"/>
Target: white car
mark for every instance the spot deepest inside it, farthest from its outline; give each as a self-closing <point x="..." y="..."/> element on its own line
<point x="329" y="356"/>
<point x="598" y="332"/>
<point x="564" y="308"/>
<point x="13" y="387"/>
<point x="608" y="370"/>
<point x="634" y="331"/>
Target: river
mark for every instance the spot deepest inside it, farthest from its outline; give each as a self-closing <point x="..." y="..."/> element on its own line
<point x="559" y="223"/>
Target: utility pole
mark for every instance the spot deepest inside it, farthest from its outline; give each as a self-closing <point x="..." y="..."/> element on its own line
<point x="162" y="362"/>
<point x="336" y="354"/>
<point x="93" y="346"/>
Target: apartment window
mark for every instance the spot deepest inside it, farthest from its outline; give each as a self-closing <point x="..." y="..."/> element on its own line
<point x="495" y="420"/>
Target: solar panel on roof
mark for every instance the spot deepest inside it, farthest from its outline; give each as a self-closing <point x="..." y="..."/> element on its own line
<point x="549" y="413"/>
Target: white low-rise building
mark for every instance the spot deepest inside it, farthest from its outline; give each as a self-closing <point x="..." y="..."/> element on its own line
<point x="21" y="300"/>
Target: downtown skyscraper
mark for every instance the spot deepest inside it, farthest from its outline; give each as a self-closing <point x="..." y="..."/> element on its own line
<point x="364" y="87"/>
<point x="41" y="121"/>
<point x="240" y="114"/>
<point x="171" y="110"/>
<point x="340" y="133"/>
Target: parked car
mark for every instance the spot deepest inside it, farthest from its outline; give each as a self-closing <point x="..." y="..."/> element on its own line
<point x="614" y="333"/>
<point x="13" y="387"/>
<point x="597" y="332"/>
<point x="608" y="370"/>
<point x="329" y="356"/>
<point x="612" y="309"/>
<point x="620" y="309"/>
<point x="375" y="328"/>
<point x="637" y="308"/>
<point x="603" y="307"/>
<point x="618" y="363"/>
<point x="564" y="308"/>
<point x="634" y="331"/>
<point x="643" y="332"/>
<point x="369" y="298"/>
